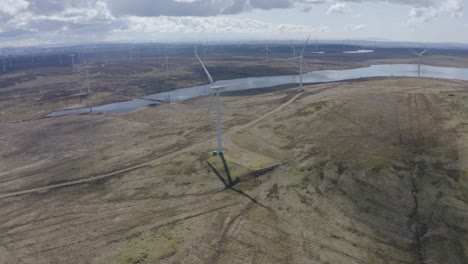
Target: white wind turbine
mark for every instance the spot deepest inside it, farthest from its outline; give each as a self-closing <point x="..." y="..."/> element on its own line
<point x="215" y="89"/>
<point x="293" y="47"/>
<point x="73" y="61"/>
<point x="88" y="87"/>
<point x="268" y="51"/>
<point x="3" y="58"/>
<point x="420" y="55"/>
<point x="10" y="55"/>
<point x="301" y="63"/>
<point x="167" y="66"/>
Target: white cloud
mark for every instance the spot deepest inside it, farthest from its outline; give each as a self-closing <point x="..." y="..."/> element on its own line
<point x="352" y="27"/>
<point x="26" y="19"/>
<point x="11" y="7"/>
<point x="339" y="8"/>
<point x="423" y="11"/>
<point x="422" y="14"/>
<point x="455" y="7"/>
<point x="429" y="13"/>
<point x="166" y="24"/>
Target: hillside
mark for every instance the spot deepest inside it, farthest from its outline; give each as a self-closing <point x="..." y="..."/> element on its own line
<point x="365" y="171"/>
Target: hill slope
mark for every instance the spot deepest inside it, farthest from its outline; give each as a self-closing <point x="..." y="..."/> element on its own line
<point x="370" y="171"/>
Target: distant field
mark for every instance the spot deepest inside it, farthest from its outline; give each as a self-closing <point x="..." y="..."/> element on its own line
<point x="36" y="89"/>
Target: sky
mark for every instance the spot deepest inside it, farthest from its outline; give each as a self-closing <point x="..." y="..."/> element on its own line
<point x="35" y="22"/>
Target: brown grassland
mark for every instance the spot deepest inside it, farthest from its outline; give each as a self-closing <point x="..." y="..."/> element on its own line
<point x="364" y="171"/>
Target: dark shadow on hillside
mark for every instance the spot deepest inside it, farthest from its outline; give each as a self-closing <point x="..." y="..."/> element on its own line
<point x="229" y="184"/>
<point x="216" y="172"/>
<point x="250" y="198"/>
<point x="226" y="169"/>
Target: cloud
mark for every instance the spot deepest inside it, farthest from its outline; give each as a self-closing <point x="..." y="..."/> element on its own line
<point x="352" y="27"/>
<point x="339" y="8"/>
<point x="57" y="18"/>
<point x="12" y="7"/>
<point x="149" y="8"/>
<point x="429" y="12"/>
<point x="166" y="24"/>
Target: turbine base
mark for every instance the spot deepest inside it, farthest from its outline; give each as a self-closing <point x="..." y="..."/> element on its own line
<point x="216" y="153"/>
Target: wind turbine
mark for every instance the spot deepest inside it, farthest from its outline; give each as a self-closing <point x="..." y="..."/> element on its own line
<point x="88" y="88"/>
<point x="420" y="55"/>
<point x="301" y="61"/>
<point x="293" y="47"/>
<point x="4" y="58"/>
<point x="130" y="47"/>
<point x="215" y="89"/>
<point x="10" y="55"/>
<point x="4" y="66"/>
<point x="268" y="51"/>
<point x="73" y="61"/>
<point x="80" y="58"/>
<point x="167" y="66"/>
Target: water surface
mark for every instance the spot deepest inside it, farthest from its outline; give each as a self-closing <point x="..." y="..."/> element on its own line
<point x="177" y="95"/>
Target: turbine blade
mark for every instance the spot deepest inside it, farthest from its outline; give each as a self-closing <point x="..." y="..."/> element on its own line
<point x="305" y="45"/>
<point x="221" y="87"/>
<point x="424" y="51"/>
<point x="417" y="54"/>
<point x="204" y="68"/>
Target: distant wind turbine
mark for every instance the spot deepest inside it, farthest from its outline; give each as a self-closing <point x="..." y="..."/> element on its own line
<point x="130" y="51"/>
<point x="4" y="66"/>
<point x="167" y="67"/>
<point x="73" y="61"/>
<point x="214" y="90"/>
<point x="293" y="47"/>
<point x="420" y="55"/>
<point x="10" y="55"/>
<point x="301" y="63"/>
<point x="88" y="87"/>
<point x="268" y="51"/>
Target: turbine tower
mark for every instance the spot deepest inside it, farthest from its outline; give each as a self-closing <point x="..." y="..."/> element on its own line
<point x="3" y="58"/>
<point x="268" y="51"/>
<point x="167" y="66"/>
<point x="301" y="63"/>
<point x="293" y="51"/>
<point x="88" y="88"/>
<point x="73" y="61"/>
<point x="420" y="55"/>
<point x="214" y="90"/>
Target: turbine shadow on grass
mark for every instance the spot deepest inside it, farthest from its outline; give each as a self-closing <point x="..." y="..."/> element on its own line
<point x="229" y="184"/>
